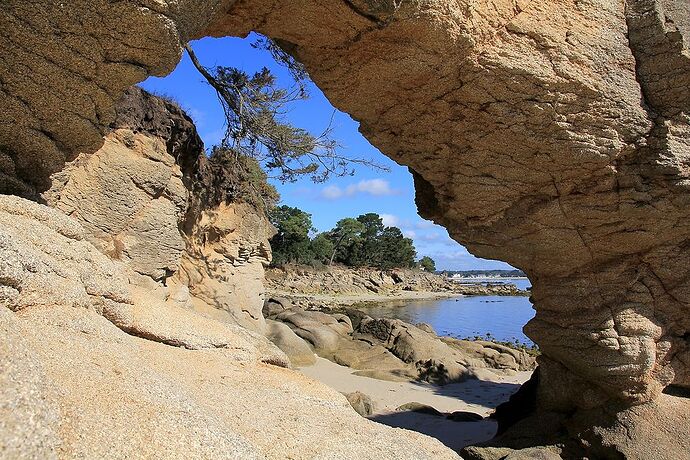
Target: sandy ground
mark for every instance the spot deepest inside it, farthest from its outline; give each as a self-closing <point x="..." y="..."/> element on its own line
<point x="349" y="299"/>
<point x="478" y="396"/>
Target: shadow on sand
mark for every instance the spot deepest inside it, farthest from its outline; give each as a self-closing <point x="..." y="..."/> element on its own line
<point x="480" y="395"/>
<point x="474" y="391"/>
<point x="455" y="435"/>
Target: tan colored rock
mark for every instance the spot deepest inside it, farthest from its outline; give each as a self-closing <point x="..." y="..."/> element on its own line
<point x="372" y="360"/>
<point x="28" y="417"/>
<point x="325" y="332"/>
<point x="96" y="50"/>
<point x="140" y="200"/>
<point x="224" y="263"/>
<point x="481" y="353"/>
<point x="552" y="135"/>
<point x="135" y="397"/>
<point x="130" y="199"/>
<point x="45" y="259"/>
<point x="361" y="403"/>
<point x="88" y="374"/>
<point x="434" y="361"/>
<point x="297" y="350"/>
<point x="164" y="322"/>
<point x="342" y="280"/>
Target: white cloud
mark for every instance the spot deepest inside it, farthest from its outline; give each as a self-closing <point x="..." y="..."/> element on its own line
<point x="332" y="192"/>
<point x="373" y="187"/>
<point x="389" y="220"/>
<point x="410" y="234"/>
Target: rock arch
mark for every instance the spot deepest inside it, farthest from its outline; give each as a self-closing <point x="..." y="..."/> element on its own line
<point x="552" y="135"/>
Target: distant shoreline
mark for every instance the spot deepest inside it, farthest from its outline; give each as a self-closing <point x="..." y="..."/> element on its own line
<point x="482" y="278"/>
<point x="351" y="299"/>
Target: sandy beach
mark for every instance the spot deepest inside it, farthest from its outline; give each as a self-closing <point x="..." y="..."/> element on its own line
<point x="477" y="396"/>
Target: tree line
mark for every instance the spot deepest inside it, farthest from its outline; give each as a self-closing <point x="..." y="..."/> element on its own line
<point x="354" y="242"/>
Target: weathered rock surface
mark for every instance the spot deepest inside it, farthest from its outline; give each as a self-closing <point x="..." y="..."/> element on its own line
<point x="391" y="349"/>
<point x="552" y="135"/>
<point x="657" y="430"/>
<point x="130" y="199"/>
<point x="296" y="348"/>
<point x="227" y="252"/>
<point x="322" y="330"/>
<point x="435" y="361"/>
<point x="46" y="260"/>
<point x="361" y="403"/>
<point x="143" y="200"/>
<point x="492" y="355"/>
<point x="92" y="368"/>
<point x="180" y="402"/>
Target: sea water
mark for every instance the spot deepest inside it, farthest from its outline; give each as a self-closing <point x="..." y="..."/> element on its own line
<point x="499" y="317"/>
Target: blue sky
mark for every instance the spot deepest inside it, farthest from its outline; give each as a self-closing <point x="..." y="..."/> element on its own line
<point x="390" y="194"/>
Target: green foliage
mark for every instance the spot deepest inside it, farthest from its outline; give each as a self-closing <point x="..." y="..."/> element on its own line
<point x="291" y="243"/>
<point x="232" y="177"/>
<point x="363" y="241"/>
<point x="428" y="264"/>
<point x="345" y="234"/>
<point x="322" y="248"/>
<point x="393" y="250"/>
<point x="370" y="243"/>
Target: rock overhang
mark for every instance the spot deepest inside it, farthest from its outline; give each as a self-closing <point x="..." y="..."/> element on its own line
<point x="551" y="135"/>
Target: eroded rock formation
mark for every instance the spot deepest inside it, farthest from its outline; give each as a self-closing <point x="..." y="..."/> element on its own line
<point x="552" y="135"/>
<point x="146" y="198"/>
<point x="388" y="349"/>
<point x="91" y="365"/>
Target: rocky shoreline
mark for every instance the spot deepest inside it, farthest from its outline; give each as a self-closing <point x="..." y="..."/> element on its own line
<point x="347" y="286"/>
<point x="400" y="374"/>
<point x="385" y="348"/>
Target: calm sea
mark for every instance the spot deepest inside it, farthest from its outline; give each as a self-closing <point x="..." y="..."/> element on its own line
<point x="502" y="317"/>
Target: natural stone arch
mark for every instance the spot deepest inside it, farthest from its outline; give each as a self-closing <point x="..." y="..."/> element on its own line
<point x="552" y="135"/>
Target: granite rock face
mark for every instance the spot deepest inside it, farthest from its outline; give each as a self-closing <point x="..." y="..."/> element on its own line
<point x="180" y="403"/>
<point x="552" y="135"/>
<point x="389" y="349"/>
<point x="130" y="198"/>
<point x="223" y="265"/>
<point x="142" y="199"/>
<point x="44" y="250"/>
<point x="93" y="366"/>
<point x="65" y="65"/>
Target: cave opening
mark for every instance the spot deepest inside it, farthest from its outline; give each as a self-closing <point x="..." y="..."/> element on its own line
<point x="390" y="194"/>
